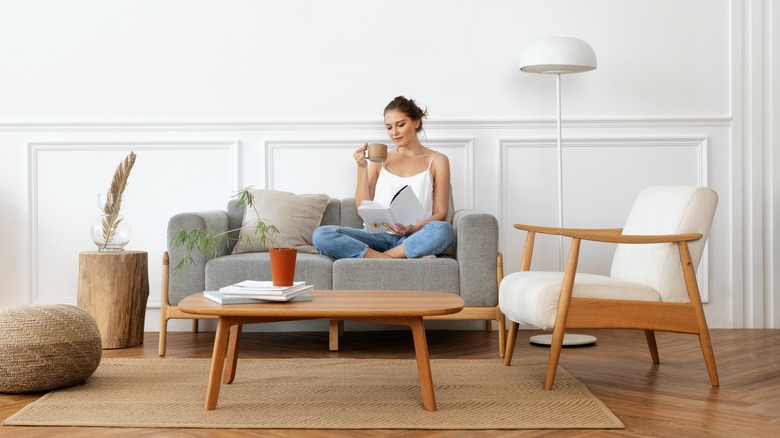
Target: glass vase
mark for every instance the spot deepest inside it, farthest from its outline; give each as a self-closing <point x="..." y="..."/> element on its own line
<point x="110" y="236"/>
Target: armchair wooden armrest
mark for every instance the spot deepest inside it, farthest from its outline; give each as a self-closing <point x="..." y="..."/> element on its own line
<point x="610" y="235"/>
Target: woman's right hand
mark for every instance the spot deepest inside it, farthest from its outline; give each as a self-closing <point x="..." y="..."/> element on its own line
<point x="360" y="155"/>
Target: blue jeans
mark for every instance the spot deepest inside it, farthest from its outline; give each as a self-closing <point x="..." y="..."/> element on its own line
<point x="344" y="242"/>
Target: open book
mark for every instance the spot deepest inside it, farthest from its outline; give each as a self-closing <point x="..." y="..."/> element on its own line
<point x="404" y="208"/>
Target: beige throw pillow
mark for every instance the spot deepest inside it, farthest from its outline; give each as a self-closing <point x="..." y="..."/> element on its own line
<point x="296" y="217"/>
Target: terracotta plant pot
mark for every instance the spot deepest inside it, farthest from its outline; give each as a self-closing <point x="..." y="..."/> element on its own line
<point x="283" y="266"/>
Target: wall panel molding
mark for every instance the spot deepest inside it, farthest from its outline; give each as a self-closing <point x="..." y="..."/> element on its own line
<point x="698" y="170"/>
<point x="46" y="156"/>
<point x="263" y="153"/>
<point x="637" y="122"/>
<point x="700" y="143"/>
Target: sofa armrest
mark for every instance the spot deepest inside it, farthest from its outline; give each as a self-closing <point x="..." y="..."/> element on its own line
<point x="191" y="278"/>
<point x="476" y="247"/>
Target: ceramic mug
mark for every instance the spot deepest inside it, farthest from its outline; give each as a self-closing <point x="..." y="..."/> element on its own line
<point x="377" y="152"/>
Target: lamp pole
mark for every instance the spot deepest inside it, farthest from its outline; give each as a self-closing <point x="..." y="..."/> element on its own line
<point x="560" y="173"/>
<point x="559" y="55"/>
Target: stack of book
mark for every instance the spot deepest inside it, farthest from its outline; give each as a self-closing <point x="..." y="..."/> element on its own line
<point x="253" y="291"/>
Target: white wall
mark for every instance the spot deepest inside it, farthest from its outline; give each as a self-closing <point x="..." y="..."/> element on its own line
<point x="184" y="60"/>
<point x="217" y="95"/>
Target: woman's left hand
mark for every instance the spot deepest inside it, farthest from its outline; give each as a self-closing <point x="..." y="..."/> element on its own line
<point x="399" y="229"/>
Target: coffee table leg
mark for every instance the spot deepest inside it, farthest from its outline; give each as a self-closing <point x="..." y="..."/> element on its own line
<point x="217" y="362"/>
<point x="232" y="354"/>
<point x="334" y="330"/>
<point x="423" y="363"/>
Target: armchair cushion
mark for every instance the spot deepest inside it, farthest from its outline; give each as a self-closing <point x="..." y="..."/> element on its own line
<point x="664" y="210"/>
<point x="539" y="305"/>
<point x="296" y="217"/>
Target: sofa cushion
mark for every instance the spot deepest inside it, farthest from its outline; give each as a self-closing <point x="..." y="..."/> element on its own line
<point x="296" y="217"/>
<point x="439" y="275"/>
<point x="314" y="269"/>
<point x="332" y="214"/>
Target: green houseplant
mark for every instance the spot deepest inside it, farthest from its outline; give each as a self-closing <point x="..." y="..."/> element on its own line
<point x="207" y="242"/>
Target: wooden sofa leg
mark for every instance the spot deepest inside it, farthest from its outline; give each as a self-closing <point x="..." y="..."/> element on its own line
<point x="194" y="326"/>
<point x="501" y="332"/>
<point x="164" y="306"/>
<point x="163" y="335"/>
<point x="510" y="342"/>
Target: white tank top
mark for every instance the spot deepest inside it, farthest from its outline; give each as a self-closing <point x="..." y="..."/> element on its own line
<point x="388" y="184"/>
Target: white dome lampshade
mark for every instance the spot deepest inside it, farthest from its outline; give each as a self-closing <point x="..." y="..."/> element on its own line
<point x="559" y="55"/>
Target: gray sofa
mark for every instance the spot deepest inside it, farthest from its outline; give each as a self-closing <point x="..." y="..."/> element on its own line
<point x="471" y="268"/>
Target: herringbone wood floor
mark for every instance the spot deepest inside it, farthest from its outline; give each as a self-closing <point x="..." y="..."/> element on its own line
<point x="673" y="399"/>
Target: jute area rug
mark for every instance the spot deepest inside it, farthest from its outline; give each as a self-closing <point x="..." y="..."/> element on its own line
<point x="322" y="394"/>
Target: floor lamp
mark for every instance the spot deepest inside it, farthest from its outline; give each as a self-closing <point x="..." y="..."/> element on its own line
<point x="559" y="55"/>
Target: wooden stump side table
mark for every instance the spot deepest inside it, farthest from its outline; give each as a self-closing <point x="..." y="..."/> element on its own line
<point x="114" y="289"/>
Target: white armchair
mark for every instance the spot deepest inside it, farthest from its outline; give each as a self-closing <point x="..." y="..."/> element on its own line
<point x="652" y="284"/>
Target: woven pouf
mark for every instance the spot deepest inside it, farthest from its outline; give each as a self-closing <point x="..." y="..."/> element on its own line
<point x="45" y="347"/>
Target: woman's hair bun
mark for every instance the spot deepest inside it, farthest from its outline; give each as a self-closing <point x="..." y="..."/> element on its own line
<point x="408" y="107"/>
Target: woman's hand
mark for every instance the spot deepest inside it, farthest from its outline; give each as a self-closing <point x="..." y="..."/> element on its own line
<point x="360" y="155"/>
<point x="400" y="229"/>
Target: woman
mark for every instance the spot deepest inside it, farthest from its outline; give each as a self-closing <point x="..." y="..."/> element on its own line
<point x="426" y="171"/>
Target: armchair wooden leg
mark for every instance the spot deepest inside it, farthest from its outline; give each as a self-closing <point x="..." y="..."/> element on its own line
<point x="194" y="326"/>
<point x="555" y="356"/>
<point x="567" y="287"/>
<point x="650" y="335"/>
<point x="695" y="299"/>
<point x="510" y="342"/>
<point x="709" y="357"/>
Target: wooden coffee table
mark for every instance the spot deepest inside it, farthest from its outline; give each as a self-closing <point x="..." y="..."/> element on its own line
<point x="387" y="306"/>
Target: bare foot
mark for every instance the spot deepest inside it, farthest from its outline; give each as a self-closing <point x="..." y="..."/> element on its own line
<point x="372" y="254"/>
<point x="428" y="257"/>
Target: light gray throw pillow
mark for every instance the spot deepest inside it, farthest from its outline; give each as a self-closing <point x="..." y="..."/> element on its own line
<point x="296" y="217"/>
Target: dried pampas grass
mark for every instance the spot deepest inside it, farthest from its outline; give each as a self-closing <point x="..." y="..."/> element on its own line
<point x="111" y="218"/>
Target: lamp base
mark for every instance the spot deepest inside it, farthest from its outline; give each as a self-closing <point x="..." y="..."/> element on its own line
<point x="569" y="340"/>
